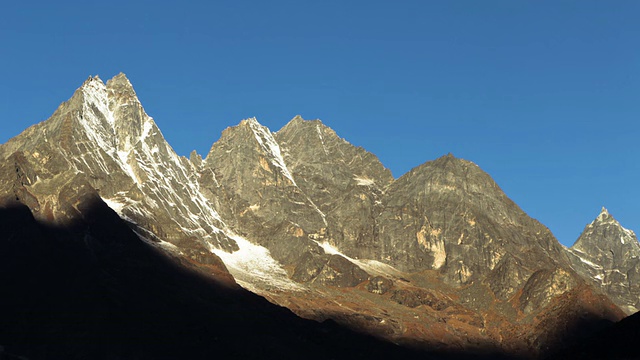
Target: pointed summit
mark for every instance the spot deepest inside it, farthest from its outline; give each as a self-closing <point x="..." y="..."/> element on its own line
<point x="120" y="77"/>
<point x="602" y="228"/>
<point x="604" y="215"/>
<point x="121" y="84"/>
<point x="609" y="254"/>
<point x="457" y="220"/>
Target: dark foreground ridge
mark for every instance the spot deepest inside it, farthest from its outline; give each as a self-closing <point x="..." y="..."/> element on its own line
<point x="93" y="290"/>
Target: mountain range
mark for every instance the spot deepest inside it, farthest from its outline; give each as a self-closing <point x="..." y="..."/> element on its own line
<point x="114" y="246"/>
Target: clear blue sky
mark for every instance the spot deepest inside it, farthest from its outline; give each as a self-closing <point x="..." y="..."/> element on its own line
<point x="543" y="95"/>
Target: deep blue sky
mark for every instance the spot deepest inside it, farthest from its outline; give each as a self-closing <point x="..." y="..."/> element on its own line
<point x="543" y="95"/>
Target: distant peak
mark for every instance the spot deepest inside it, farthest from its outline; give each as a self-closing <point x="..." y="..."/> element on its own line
<point x="120" y="83"/>
<point x="121" y="78"/>
<point x="120" y="75"/>
<point x="604" y="215"/>
<point x="605" y="218"/>
<point x="298" y="122"/>
<point x="93" y="81"/>
<point x="449" y="158"/>
<point x="252" y="121"/>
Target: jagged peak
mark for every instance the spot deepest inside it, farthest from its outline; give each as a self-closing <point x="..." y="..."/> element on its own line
<point x="118" y="83"/>
<point x="250" y="121"/>
<point x="316" y="126"/>
<point x="195" y="158"/>
<point x="298" y="120"/>
<point x="604" y="214"/>
<point x="605" y="220"/>
<point x="268" y="143"/>
<point x="93" y="78"/>
<point x="121" y="87"/>
<point x="605" y="217"/>
<point x="449" y="161"/>
<point x="93" y="84"/>
<point x="120" y="77"/>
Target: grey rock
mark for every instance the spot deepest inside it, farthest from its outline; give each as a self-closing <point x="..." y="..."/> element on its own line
<point x="103" y="133"/>
<point x="609" y="256"/>
<point x="449" y="215"/>
<point x="324" y="209"/>
<point x="379" y="285"/>
<point x="344" y="181"/>
<point x="265" y="201"/>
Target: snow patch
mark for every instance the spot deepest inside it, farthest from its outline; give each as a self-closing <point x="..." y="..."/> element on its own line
<point x="321" y="139"/>
<point x="254" y="269"/>
<point x="270" y="146"/>
<point x="591" y="264"/>
<point x="124" y="162"/>
<point x="372" y="267"/>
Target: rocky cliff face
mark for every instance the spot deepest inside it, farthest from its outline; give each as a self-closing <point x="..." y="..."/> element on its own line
<point x="440" y="258"/>
<point x="344" y="181"/>
<point x="103" y="137"/>
<point x="449" y="215"/>
<point x="609" y="255"/>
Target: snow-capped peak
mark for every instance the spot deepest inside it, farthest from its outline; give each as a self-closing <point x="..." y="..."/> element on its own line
<point x="95" y="93"/>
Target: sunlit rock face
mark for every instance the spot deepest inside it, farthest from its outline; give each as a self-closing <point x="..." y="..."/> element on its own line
<point x="103" y="137"/>
<point x="449" y="215"/>
<point x="439" y="258"/>
<point x="609" y="255"/>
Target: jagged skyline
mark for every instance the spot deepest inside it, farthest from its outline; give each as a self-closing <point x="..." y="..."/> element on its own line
<point x="540" y="96"/>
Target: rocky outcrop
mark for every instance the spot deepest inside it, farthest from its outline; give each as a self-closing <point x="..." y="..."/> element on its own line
<point x="379" y="285"/>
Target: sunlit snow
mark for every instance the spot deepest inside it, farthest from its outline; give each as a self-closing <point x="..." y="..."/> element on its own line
<point x="371" y="266"/>
<point x="270" y="146"/>
<point x="254" y="269"/>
